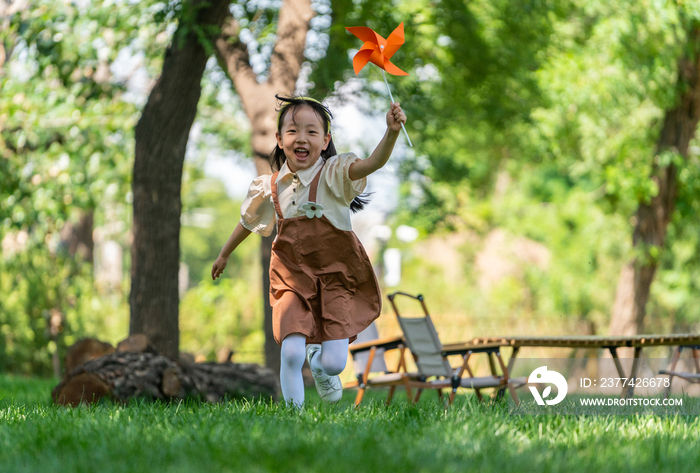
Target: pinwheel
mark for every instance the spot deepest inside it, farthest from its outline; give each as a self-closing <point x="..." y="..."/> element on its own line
<point x="379" y="51"/>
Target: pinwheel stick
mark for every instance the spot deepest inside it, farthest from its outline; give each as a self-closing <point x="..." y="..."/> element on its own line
<point x="392" y="101"/>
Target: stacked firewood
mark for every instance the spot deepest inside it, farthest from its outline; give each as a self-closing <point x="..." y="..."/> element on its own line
<point x="96" y="370"/>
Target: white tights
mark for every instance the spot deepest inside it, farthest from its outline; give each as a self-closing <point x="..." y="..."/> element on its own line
<point x="331" y="360"/>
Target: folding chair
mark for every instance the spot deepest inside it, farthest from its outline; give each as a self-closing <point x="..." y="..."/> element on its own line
<point x="688" y="376"/>
<point x="431" y="358"/>
<point x="370" y="366"/>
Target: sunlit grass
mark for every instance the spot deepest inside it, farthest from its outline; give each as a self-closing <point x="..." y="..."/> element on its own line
<point x="264" y="436"/>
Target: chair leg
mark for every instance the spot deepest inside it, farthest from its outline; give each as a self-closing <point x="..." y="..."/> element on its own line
<point x="439" y="393"/>
<point x="418" y="393"/>
<point x="391" y="395"/>
<point x="478" y="395"/>
<point x="360" y="395"/>
<point x="409" y="394"/>
<point x="674" y="362"/>
<point x="513" y="394"/>
<point x="452" y="396"/>
<point x="362" y="379"/>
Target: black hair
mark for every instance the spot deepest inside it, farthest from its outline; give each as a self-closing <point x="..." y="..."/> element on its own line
<point x="291" y="104"/>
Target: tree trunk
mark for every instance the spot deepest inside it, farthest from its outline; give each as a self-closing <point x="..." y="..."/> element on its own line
<point x="161" y="140"/>
<point x="653" y="217"/>
<point x="76" y="238"/>
<point x="258" y="100"/>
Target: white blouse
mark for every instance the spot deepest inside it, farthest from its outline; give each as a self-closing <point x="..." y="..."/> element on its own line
<point x="335" y="192"/>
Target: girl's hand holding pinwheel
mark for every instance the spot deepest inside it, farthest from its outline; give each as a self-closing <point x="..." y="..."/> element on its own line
<point x="395" y="118"/>
<point x="379" y="51"/>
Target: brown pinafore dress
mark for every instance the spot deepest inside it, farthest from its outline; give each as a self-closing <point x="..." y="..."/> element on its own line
<point x="322" y="284"/>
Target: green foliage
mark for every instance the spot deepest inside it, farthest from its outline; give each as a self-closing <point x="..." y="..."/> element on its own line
<point x="262" y="436"/>
<point x="674" y="294"/>
<point x="228" y="313"/>
<point x="66" y="136"/>
<point x="563" y="102"/>
<point x="224" y="125"/>
<point x="609" y="90"/>
<point x="46" y="284"/>
<point x="67" y="150"/>
<point x="185" y="14"/>
<point x="559" y="263"/>
<point x="587" y="249"/>
<point x="224" y="316"/>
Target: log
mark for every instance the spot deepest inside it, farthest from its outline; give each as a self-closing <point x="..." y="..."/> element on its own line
<point x="123" y="376"/>
<point x="137" y="343"/>
<point x="85" y="350"/>
<point x="84" y="388"/>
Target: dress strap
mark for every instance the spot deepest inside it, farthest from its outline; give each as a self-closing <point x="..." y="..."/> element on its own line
<point x="314" y="184"/>
<point x="273" y="184"/>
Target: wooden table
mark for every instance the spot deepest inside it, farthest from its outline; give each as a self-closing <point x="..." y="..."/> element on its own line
<point x="390" y="343"/>
<point x="611" y="343"/>
<point x="493" y="345"/>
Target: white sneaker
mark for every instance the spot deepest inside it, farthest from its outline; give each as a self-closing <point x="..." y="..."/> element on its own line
<point x="329" y="387"/>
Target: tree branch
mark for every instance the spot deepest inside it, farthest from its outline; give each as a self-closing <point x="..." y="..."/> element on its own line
<point x="233" y="57"/>
<point x="258" y="99"/>
<point x="288" y="55"/>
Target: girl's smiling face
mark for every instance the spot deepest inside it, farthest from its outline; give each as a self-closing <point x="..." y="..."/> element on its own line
<point x="302" y="138"/>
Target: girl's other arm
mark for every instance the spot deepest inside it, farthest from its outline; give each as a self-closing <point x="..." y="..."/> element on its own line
<point x="382" y="152"/>
<point x="239" y="234"/>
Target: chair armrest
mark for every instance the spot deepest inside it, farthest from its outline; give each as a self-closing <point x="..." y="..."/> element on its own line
<point x="691" y="377"/>
<point x="518" y="382"/>
<point x="387" y="343"/>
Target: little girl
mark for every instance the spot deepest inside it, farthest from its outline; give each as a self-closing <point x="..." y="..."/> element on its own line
<point x="323" y="290"/>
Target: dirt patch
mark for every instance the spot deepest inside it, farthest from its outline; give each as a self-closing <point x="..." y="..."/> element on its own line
<point x="444" y="252"/>
<point x="504" y="255"/>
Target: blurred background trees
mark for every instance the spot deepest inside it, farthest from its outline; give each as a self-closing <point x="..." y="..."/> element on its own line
<point x="66" y="168"/>
<point x="539" y="129"/>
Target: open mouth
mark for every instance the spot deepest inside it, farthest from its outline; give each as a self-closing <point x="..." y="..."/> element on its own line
<point x="301" y="153"/>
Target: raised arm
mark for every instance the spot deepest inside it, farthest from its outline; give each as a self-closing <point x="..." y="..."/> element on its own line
<point x="239" y="234"/>
<point x="382" y="152"/>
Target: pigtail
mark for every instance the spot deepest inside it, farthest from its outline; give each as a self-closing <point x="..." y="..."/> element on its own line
<point x="359" y="202"/>
<point x="278" y="158"/>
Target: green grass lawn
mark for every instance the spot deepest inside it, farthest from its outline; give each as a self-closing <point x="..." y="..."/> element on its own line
<point x="261" y="436"/>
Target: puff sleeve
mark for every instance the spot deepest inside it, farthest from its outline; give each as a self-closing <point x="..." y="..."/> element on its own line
<point x="338" y="180"/>
<point x="258" y="210"/>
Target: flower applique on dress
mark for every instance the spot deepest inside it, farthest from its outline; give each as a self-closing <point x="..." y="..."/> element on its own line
<point x="312" y="209"/>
